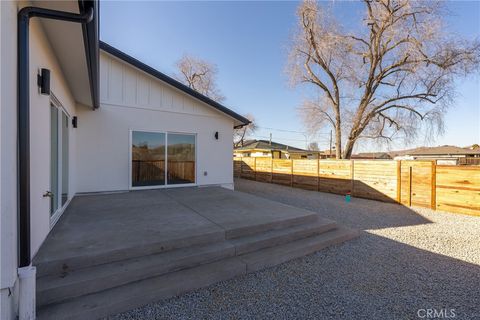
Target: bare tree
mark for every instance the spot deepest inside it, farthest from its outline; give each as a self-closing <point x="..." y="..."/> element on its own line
<point x="313" y="146"/>
<point x="240" y="134"/>
<point x="389" y="78"/>
<point x="199" y="75"/>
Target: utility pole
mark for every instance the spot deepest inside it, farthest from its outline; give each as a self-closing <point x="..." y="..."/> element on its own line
<point x="270" y="138"/>
<point x="330" y="154"/>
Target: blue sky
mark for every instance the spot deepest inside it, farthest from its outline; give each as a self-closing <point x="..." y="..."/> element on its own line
<point x="248" y="42"/>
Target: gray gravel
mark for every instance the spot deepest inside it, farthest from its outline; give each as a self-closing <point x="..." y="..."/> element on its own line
<point x="405" y="260"/>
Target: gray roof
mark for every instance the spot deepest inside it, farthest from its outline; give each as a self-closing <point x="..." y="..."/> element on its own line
<point x="266" y="145"/>
<point x="440" y="150"/>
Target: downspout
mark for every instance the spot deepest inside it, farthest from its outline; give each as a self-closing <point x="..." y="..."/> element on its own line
<point x="24" y="15"/>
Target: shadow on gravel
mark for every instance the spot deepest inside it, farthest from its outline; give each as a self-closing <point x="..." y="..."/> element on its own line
<point x="359" y="213"/>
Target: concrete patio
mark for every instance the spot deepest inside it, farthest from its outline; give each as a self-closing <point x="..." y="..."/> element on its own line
<point x="111" y="252"/>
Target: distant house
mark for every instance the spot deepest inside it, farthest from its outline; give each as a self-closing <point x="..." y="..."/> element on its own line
<point x="275" y="150"/>
<point x="442" y="154"/>
<point x="372" y="155"/>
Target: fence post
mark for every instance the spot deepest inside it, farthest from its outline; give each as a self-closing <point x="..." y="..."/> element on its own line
<point x="241" y="168"/>
<point x="410" y="186"/>
<point x="291" y="172"/>
<point x="434" y="186"/>
<point x="271" y="171"/>
<point x="352" y="168"/>
<point x="399" y="181"/>
<point x="318" y="174"/>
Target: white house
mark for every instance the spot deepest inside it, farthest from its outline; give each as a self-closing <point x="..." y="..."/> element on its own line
<point x="79" y="116"/>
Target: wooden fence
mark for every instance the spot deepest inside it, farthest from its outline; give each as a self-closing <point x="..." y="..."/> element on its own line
<point x="154" y="170"/>
<point x="411" y="183"/>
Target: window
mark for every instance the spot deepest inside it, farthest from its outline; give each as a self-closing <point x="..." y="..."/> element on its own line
<point x="161" y="158"/>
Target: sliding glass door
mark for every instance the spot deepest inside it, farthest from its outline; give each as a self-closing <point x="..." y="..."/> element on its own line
<point x="181" y="158"/>
<point x="148" y="159"/>
<point x="162" y="159"/>
<point x="59" y="151"/>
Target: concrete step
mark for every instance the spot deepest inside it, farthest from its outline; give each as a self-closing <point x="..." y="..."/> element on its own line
<point x="60" y="266"/>
<point x="269" y="257"/>
<point x="258" y="227"/>
<point x="139" y="293"/>
<point x="281" y="236"/>
<point x="136" y="294"/>
<point x="51" y="289"/>
<point x="56" y="288"/>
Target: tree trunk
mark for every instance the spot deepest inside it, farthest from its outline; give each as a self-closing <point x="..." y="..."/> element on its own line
<point x="347" y="153"/>
<point x="338" y="138"/>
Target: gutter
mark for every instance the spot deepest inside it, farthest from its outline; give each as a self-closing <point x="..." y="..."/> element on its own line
<point x="92" y="49"/>
<point x="24" y="15"/>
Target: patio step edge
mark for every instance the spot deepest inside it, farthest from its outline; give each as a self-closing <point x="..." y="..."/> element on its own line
<point x="269" y="257"/>
<point x="142" y="292"/>
<point x="139" y="293"/>
<point x="251" y="230"/>
<point x="53" y="289"/>
<point x="56" y="288"/>
<point x="74" y="263"/>
<point x="278" y="237"/>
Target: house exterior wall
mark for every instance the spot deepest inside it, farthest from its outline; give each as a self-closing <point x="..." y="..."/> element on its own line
<point x="8" y="159"/>
<point x="41" y="56"/>
<point x="133" y="100"/>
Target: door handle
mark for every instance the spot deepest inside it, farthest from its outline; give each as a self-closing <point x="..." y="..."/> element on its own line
<point x="48" y="194"/>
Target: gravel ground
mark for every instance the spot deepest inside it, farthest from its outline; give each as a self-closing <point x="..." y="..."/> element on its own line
<point x="405" y="262"/>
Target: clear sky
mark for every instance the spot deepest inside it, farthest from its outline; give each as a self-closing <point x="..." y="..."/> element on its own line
<point x="248" y="42"/>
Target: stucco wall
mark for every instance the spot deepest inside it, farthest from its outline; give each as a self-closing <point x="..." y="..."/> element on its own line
<point x="8" y="158"/>
<point x="41" y="56"/>
<point x="133" y="100"/>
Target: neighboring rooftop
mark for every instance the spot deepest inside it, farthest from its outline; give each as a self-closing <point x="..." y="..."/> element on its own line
<point x="267" y="145"/>
<point x="371" y="155"/>
<point x="440" y="150"/>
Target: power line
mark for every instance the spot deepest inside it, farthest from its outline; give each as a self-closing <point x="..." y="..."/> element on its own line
<point x="285" y="130"/>
<point x="265" y="137"/>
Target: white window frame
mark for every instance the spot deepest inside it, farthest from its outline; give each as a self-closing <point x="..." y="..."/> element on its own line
<point x="166" y="185"/>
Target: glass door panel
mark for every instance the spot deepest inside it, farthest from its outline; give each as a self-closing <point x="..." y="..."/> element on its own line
<point x="148" y="158"/>
<point x="64" y="157"/>
<point x="181" y="158"/>
<point x="54" y="145"/>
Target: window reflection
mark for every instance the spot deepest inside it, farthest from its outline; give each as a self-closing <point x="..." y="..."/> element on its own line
<point x="181" y="158"/>
<point x="148" y="158"/>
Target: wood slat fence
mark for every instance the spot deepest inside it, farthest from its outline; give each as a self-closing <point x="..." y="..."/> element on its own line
<point x="411" y="183"/>
<point x="148" y="170"/>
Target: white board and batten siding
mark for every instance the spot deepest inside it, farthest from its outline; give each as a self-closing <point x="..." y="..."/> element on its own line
<point x="131" y="99"/>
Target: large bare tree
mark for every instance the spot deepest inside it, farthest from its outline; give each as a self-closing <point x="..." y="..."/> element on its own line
<point x="241" y="134"/>
<point x="390" y="77"/>
<point x="199" y="75"/>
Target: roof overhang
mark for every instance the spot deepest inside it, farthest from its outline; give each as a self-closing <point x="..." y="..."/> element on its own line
<point x="239" y="121"/>
<point x="76" y="49"/>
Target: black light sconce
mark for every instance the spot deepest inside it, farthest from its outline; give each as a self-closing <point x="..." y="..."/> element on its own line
<point x="216" y="135"/>
<point x="75" y="121"/>
<point x="43" y="81"/>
